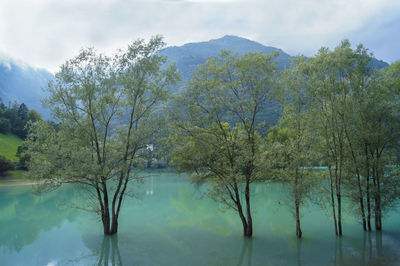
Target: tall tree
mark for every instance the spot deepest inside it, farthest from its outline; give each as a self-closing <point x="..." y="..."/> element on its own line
<point x="353" y="111"/>
<point x="289" y="148"/>
<point x="328" y="72"/>
<point x="106" y="107"/>
<point x="214" y="125"/>
<point x="23" y="111"/>
<point x="379" y="124"/>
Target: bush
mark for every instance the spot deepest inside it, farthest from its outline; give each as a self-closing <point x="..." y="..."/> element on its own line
<point x="5" y="125"/>
<point x="23" y="157"/>
<point x="5" y="164"/>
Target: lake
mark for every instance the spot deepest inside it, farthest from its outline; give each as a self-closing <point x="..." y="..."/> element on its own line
<point x="169" y="222"/>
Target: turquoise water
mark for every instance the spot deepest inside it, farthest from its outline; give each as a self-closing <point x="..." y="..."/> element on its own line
<point x="170" y="223"/>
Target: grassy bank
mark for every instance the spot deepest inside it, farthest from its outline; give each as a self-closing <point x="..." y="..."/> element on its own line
<point x="8" y="148"/>
<point x="9" y="145"/>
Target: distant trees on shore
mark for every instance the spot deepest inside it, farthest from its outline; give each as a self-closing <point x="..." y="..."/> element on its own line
<point x="14" y="118"/>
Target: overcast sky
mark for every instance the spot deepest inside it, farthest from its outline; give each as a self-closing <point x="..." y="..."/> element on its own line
<point x="45" y="33"/>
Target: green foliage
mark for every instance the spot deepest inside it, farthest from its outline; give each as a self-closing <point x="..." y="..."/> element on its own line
<point x="33" y="116"/>
<point x="354" y="123"/>
<point x="105" y="106"/>
<point x="23" y="156"/>
<point x="5" y="164"/>
<point x="288" y="152"/>
<point x="107" y="112"/>
<point x="213" y="126"/>
<point x="341" y="112"/>
<point x="5" y="125"/>
<point x="14" y="119"/>
<point x="226" y="88"/>
<point x="9" y="146"/>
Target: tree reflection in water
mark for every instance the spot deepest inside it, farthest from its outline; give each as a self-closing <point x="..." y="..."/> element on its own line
<point x="23" y="214"/>
<point x="177" y="226"/>
<point x="109" y="252"/>
<point x="247" y="249"/>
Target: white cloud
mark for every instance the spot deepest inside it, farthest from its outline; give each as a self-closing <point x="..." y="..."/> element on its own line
<point x="45" y="33"/>
<point x="211" y="1"/>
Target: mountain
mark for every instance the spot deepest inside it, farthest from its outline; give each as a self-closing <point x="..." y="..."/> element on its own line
<point x="23" y="84"/>
<point x="192" y="55"/>
<point x="378" y="64"/>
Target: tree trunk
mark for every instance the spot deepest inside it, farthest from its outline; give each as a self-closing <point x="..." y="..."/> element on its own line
<point x="298" y="228"/>
<point x="361" y="198"/>
<point x="106" y="212"/>
<point x="243" y="219"/>
<point x="333" y="200"/>
<point x="360" y="192"/>
<point x="247" y="227"/>
<point x="106" y="221"/>
<point x="338" y="188"/>
<point x="368" y="206"/>
<point x="249" y="231"/>
<point x="297" y="202"/>
<point x="110" y="224"/>
<point x="114" y="225"/>
<point x="339" y="200"/>
<point x="377" y="208"/>
<point x="367" y="177"/>
<point x="378" y="214"/>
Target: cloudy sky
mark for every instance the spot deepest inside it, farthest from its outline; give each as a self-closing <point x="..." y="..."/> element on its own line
<point x="45" y="33"/>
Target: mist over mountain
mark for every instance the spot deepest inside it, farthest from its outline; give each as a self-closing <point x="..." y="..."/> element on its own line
<point x="23" y="84"/>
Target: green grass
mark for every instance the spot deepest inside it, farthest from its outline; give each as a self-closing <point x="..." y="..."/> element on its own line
<point x="8" y="148"/>
<point x="9" y="145"/>
<point x="19" y="175"/>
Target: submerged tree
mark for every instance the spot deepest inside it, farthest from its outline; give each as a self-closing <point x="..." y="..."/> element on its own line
<point x="354" y="115"/>
<point x="106" y="111"/>
<point x="214" y="132"/>
<point x="376" y="123"/>
<point x="289" y="148"/>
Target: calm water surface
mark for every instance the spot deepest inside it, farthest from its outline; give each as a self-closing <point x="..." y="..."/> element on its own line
<point x="169" y="223"/>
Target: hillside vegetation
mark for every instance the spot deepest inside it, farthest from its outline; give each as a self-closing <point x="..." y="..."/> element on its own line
<point x="9" y="145"/>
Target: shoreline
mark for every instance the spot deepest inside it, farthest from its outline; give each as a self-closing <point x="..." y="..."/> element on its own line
<point x="12" y="184"/>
